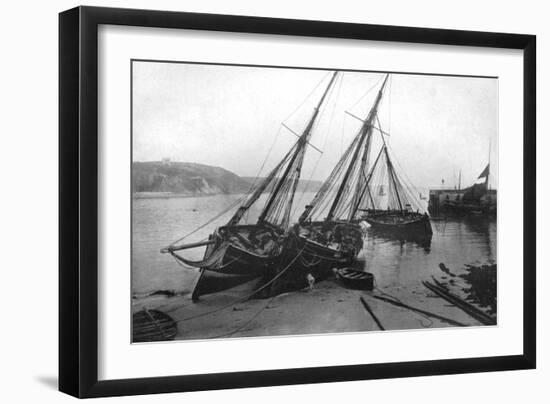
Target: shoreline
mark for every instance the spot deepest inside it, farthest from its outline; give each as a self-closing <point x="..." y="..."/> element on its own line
<point x="168" y="195"/>
<point x="326" y="309"/>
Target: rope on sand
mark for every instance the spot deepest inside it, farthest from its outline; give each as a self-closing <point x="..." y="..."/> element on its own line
<point x="243" y="299"/>
<point x="228" y="334"/>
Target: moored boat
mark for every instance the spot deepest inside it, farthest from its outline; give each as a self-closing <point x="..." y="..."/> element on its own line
<point x="393" y="212"/>
<point x="399" y="221"/>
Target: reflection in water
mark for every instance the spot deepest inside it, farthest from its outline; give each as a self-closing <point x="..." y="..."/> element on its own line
<point x="423" y="241"/>
<point x="455" y="242"/>
<point x="159" y="221"/>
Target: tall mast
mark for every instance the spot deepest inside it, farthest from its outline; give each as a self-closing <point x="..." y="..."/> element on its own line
<point x="366" y="188"/>
<point x="459" y="178"/>
<point x="488" y="167"/>
<point x="302" y="141"/>
<point x="366" y="128"/>
<point x="392" y="175"/>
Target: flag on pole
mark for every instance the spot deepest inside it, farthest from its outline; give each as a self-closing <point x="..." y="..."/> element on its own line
<point x="484" y="173"/>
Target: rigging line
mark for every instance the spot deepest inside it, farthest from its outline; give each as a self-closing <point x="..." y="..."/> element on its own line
<point x="262" y="167"/>
<point x="408" y="183"/>
<point x="244" y="196"/>
<point x="368" y="91"/>
<point x="237" y="301"/>
<point x="239" y="328"/>
<point x="300" y="148"/>
<point x="331" y="119"/>
<point x="363" y="132"/>
<point x="343" y="125"/>
<point x="389" y="104"/>
<point x="265" y="159"/>
<point x="216" y="217"/>
<point x="237" y="202"/>
<point x="241" y="199"/>
<point x="321" y="111"/>
<point x="307" y="97"/>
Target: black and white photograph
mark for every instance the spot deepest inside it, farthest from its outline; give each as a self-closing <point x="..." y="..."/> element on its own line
<point x="275" y="201"/>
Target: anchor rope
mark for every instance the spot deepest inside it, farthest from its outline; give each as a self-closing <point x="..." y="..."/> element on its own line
<point x="243" y="299"/>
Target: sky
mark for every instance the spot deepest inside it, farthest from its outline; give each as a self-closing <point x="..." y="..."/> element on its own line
<point x="232" y="116"/>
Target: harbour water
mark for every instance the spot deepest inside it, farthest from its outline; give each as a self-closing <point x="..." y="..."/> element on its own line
<point x="159" y="220"/>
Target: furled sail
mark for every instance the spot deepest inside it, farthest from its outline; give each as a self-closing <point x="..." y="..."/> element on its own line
<point x="399" y="196"/>
<point x="341" y="194"/>
<point x="283" y="179"/>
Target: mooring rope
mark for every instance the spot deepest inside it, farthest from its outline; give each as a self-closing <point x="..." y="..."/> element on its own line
<point x="239" y="328"/>
<point x="243" y="299"/>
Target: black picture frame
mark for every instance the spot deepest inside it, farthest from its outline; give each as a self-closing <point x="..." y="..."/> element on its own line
<point x="78" y="200"/>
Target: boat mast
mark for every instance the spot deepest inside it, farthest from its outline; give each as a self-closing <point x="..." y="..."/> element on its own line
<point x="488" y="167"/>
<point x="392" y="175"/>
<point x="369" y="177"/>
<point x="302" y="141"/>
<point x="366" y="128"/>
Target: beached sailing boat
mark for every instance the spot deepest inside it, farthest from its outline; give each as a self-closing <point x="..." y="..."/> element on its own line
<point x="337" y="239"/>
<point x="237" y="253"/>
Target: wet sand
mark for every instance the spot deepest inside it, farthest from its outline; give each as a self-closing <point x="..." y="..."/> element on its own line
<point x="328" y="308"/>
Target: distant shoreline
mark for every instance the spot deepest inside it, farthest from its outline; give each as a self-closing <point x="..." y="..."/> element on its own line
<point x="167" y="195"/>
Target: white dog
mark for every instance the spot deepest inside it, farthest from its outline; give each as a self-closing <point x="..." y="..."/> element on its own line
<point x="310" y="280"/>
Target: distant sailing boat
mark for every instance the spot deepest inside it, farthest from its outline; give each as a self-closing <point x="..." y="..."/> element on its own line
<point x="337" y="238"/>
<point x="237" y="253"/>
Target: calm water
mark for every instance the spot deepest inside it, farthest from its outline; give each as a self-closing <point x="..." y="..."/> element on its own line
<point x="157" y="222"/>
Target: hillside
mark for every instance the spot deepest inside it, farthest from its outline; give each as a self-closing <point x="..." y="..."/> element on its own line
<point x="185" y="178"/>
<point x="194" y="179"/>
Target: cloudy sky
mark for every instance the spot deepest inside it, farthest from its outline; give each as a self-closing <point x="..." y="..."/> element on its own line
<point x="231" y="116"/>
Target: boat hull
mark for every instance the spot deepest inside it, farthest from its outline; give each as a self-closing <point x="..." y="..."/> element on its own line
<point x="238" y="265"/>
<point x="390" y="222"/>
<point x="319" y="254"/>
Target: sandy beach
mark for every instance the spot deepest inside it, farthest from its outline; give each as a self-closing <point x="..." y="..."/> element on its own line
<point x="329" y="307"/>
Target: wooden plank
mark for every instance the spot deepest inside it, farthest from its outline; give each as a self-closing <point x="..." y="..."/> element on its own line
<point x="368" y="308"/>
<point x="466" y="307"/>
<point x="427" y="313"/>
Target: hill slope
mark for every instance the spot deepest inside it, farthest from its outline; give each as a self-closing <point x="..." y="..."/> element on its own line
<point x="185" y="178"/>
<point x="194" y="179"/>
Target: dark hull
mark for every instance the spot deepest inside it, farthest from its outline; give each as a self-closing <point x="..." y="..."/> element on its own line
<point x="321" y="256"/>
<point x="238" y="266"/>
<point x="415" y="225"/>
